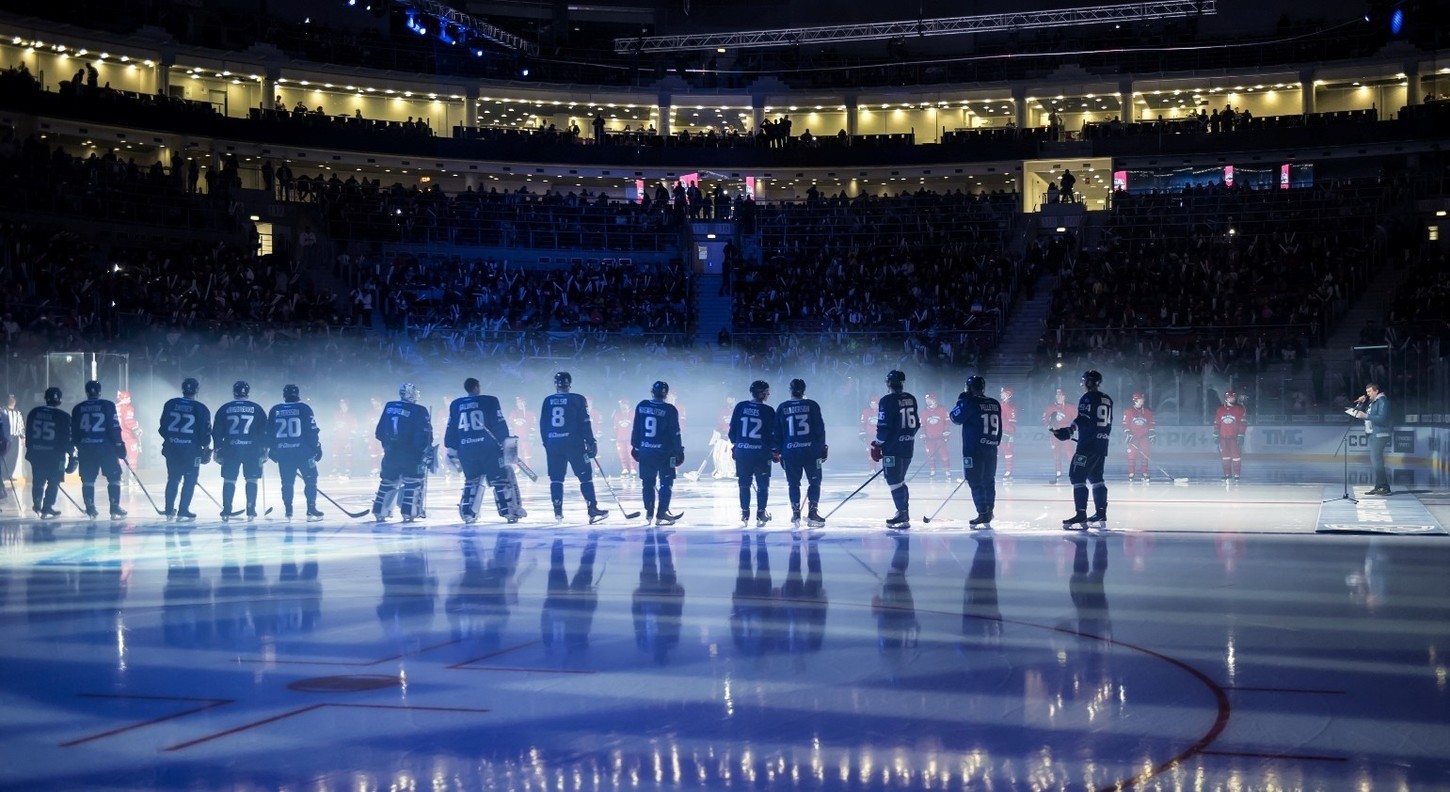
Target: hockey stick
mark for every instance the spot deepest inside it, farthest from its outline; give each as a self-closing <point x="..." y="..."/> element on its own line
<point x="1181" y="481"/>
<point x="858" y="490"/>
<point x="216" y="502"/>
<point x="615" y="495"/>
<point x="944" y="502"/>
<point x="127" y="463"/>
<point x="518" y="461"/>
<point x="353" y="515"/>
<point x="69" y="498"/>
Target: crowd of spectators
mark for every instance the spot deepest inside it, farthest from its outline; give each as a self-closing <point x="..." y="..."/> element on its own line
<point x="366" y="212"/>
<point x="484" y="300"/>
<point x="928" y="266"/>
<point x="74" y="292"/>
<point x="1214" y="278"/>
<point x="111" y="186"/>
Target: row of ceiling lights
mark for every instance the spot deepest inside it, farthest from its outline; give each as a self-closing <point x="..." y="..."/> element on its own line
<point x="197" y="72"/>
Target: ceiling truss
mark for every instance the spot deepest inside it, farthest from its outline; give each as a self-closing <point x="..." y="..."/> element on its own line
<point x="942" y="26"/>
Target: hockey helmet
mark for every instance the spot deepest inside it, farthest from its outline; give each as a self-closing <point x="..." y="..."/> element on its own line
<point x="976" y="385"/>
<point x="291" y="393"/>
<point x="1229" y="397"/>
<point x="1061" y="394"/>
<point x="759" y="389"/>
<point x="52" y="396"/>
<point x="241" y="389"/>
<point x="797" y="387"/>
<point x="895" y="379"/>
<point x="1092" y="378"/>
<point x="1006" y="393"/>
<point x="563" y="381"/>
<point x="189" y="387"/>
<point x="659" y="389"/>
<point x="93" y="389"/>
<point x="122" y="397"/>
<point x="1138" y="397"/>
<point x="408" y="392"/>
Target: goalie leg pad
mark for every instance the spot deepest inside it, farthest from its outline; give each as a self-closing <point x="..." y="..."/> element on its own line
<point x="410" y="497"/>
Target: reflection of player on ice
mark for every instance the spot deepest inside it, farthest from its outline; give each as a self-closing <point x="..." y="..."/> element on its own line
<point x="936" y="427"/>
<point x="130" y="427"/>
<point x="1138" y="429"/>
<point x="1058" y="415"/>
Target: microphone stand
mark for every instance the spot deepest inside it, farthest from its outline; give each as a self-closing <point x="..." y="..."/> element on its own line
<point x="1344" y="449"/>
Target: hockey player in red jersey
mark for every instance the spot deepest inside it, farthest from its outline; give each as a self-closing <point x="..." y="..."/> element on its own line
<point x="936" y="425"/>
<point x="623" y="421"/>
<point x="1138" y="431"/>
<point x="130" y="427"/>
<point x="1230" y="423"/>
<point x="524" y="424"/>
<point x="868" y="428"/>
<point x="1057" y="416"/>
<point x="1009" y="432"/>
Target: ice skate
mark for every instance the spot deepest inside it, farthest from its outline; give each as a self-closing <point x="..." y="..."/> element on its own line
<point x="1077" y="522"/>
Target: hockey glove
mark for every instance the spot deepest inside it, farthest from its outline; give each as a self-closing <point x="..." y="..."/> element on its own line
<point x="825" y="452"/>
<point x="1240" y="440"/>
<point x="1132" y="440"/>
<point x="1065" y="433"/>
<point x="454" y="463"/>
<point x="634" y="454"/>
<point x="510" y="450"/>
<point x="120" y="452"/>
<point x="591" y="449"/>
<point x="679" y="460"/>
<point x="430" y="458"/>
<point x="72" y="463"/>
<point x="876" y="452"/>
<point x="1007" y="439"/>
<point x="206" y="456"/>
<point x="1218" y="441"/>
<point x="265" y="456"/>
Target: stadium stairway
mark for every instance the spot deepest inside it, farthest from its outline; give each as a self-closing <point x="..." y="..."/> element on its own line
<point x="1011" y="360"/>
<point x="1372" y="304"/>
<point x="712" y="309"/>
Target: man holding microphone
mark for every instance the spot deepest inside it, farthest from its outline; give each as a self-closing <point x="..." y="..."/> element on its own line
<point x="1374" y="409"/>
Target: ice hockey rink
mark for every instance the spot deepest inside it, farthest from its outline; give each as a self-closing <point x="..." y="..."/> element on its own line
<point x="1213" y="636"/>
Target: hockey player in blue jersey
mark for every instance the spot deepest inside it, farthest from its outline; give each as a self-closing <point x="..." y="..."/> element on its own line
<point x="47" y="444"/>
<point x="96" y="430"/>
<point x="405" y="432"/>
<point x="656" y="444"/>
<point x="479" y="444"/>
<point x="897" y="422"/>
<point x="980" y="417"/>
<point x="186" y="445"/>
<point x="1094" y="425"/>
<point x="296" y="446"/>
<point x="239" y="435"/>
<point x="569" y="440"/>
<point x="801" y="433"/>
<point x="754" y="446"/>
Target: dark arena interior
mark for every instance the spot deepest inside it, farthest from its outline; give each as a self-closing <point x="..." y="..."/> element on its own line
<point x="724" y="394"/>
